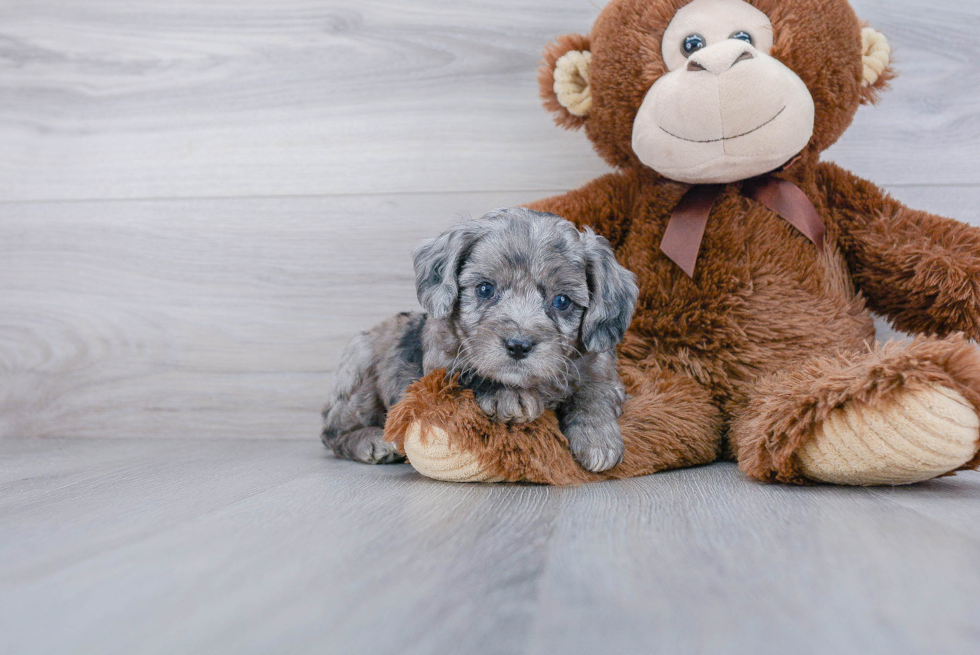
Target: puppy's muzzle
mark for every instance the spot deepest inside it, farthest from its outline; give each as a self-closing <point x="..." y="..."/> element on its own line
<point x="519" y="348"/>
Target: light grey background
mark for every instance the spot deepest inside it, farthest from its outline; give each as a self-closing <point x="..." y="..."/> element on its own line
<point x="200" y="202"/>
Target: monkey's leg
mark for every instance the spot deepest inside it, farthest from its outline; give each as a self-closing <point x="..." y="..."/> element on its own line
<point x="669" y="422"/>
<point x="898" y="414"/>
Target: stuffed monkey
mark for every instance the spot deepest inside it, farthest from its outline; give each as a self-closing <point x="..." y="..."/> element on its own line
<point x="758" y="264"/>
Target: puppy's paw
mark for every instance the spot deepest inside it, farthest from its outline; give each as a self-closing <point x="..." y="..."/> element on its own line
<point x="596" y="447"/>
<point x="381" y="452"/>
<point x="511" y="405"/>
<point x="367" y="445"/>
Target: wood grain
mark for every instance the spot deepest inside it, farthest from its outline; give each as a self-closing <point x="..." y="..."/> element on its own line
<point x="710" y="563"/>
<point x="115" y="99"/>
<point x="164" y="546"/>
<point x="218" y="318"/>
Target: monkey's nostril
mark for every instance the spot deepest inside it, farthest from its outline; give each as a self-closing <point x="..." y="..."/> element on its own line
<point x="745" y="56"/>
<point x="695" y="66"/>
<point x="519" y="348"/>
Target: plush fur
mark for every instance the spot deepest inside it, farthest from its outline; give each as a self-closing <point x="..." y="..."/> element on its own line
<point x="770" y="334"/>
<point x="785" y="406"/>
<point x="666" y="424"/>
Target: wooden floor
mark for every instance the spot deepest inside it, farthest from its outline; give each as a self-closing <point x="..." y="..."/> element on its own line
<point x="200" y="202"/>
<point x="259" y="546"/>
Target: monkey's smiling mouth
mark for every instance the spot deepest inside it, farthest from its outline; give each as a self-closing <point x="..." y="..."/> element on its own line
<point x="727" y="138"/>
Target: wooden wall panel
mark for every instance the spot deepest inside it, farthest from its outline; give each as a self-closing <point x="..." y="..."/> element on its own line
<point x="115" y="99"/>
<point x="201" y="202"/>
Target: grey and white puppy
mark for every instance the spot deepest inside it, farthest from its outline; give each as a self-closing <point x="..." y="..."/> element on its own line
<point x="526" y="309"/>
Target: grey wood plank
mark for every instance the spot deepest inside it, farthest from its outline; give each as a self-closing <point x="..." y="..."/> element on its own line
<point x="902" y="140"/>
<point x="123" y="99"/>
<point x="950" y="501"/>
<point x="218" y="318"/>
<point x="215" y="318"/>
<point x="84" y="499"/>
<point x="254" y="547"/>
<point x="336" y="557"/>
<point x="704" y="561"/>
<point x="145" y="99"/>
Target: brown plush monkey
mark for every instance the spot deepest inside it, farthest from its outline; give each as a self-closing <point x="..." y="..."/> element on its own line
<point x="757" y="263"/>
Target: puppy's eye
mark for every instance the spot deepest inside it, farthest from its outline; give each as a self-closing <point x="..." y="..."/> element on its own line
<point x="561" y="303"/>
<point x="484" y="291"/>
<point x="742" y="36"/>
<point x="692" y="44"/>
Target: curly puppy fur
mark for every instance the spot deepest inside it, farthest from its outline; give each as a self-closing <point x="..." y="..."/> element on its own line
<point x="525" y="311"/>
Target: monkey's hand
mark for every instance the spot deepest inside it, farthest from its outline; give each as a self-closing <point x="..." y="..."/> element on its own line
<point x="919" y="270"/>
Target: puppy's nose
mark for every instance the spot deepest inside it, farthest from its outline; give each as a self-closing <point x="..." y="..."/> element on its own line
<point x="519" y="348"/>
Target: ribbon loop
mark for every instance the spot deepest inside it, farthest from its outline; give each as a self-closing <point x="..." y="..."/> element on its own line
<point x="681" y="242"/>
<point x="682" y="238"/>
<point x="790" y="203"/>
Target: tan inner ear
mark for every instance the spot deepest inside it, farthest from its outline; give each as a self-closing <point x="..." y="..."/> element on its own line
<point x="876" y="54"/>
<point x="572" y="82"/>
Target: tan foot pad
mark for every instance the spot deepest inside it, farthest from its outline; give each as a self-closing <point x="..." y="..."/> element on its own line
<point x="437" y="459"/>
<point x="915" y="436"/>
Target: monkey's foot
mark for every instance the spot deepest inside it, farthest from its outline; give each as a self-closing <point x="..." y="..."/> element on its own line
<point x="436" y="457"/>
<point x="909" y="437"/>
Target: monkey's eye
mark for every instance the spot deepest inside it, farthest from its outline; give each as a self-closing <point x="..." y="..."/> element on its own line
<point x="561" y="303"/>
<point x="484" y="291"/>
<point x="742" y="36"/>
<point x="692" y="44"/>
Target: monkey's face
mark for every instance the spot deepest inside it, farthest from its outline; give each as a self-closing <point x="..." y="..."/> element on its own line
<point x="715" y="91"/>
<point x="726" y="110"/>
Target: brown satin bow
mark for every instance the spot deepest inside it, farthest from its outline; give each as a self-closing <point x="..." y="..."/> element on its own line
<point x="685" y="230"/>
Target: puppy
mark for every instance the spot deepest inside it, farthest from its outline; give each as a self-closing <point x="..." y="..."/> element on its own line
<point x="526" y="309"/>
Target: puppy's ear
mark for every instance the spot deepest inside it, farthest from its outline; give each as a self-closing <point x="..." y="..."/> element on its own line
<point x="612" y="296"/>
<point x="437" y="264"/>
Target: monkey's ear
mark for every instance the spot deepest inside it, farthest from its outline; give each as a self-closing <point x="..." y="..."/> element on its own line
<point x="437" y="264"/>
<point x="612" y="296"/>
<point x="564" y="80"/>
<point x="876" y="55"/>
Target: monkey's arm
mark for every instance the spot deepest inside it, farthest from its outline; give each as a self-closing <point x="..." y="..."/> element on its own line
<point x="920" y="270"/>
<point x="604" y="204"/>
